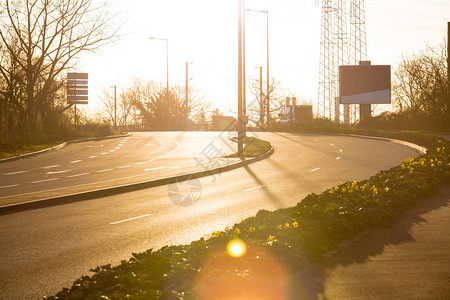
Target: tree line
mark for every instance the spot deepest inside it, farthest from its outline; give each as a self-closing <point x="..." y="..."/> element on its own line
<point x="420" y="89"/>
<point x="39" y="41"/>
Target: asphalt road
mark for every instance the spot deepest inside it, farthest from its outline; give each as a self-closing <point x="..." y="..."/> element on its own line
<point x="99" y="164"/>
<point x="46" y="249"/>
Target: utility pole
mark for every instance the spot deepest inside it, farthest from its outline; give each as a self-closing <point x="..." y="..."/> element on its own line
<point x="261" y="101"/>
<point x="448" y="53"/>
<point x="268" y="77"/>
<point x="241" y="63"/>
<point x="187" y="89"/>
<point x="115" y="108"/>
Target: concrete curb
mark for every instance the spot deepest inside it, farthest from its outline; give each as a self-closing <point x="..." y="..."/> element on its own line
<point x="100" y="193"/>
<point x="60" y="146"/>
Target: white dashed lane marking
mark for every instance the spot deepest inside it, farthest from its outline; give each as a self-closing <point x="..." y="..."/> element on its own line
<point x="78" y="175"/>
<point x="254" y="188"/>
<point x="313" y="170"/>
<point x="58" y="172"/>
<point x="337" y="158"/>
<point x="8" y="186"/>
<point x="76" y="161"/>
<point x="14" y="173"/>
<point x="45" y="180"/>
<point x="104" y="153"/>
<point x="130" y="219"/>
<point x="107" y="170"/>
<point x="93" y="156"/>
<point x="123" y="167"/>
<point x="50" y="167"/>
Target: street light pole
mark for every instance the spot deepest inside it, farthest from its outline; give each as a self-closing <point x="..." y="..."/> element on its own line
<point x="115" y="108"/>
<point x="167" y="58"/>
<point x="268" y="76"/>
<point x="187" y="88"/>
<point x="241" y="63"/>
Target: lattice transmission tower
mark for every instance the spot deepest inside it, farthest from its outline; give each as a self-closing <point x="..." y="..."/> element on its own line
<point x="335" y="50"/>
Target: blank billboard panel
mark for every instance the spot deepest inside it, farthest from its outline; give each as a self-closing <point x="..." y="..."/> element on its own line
<point x="365" y="84"/>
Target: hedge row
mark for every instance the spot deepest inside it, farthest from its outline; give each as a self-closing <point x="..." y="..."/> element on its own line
<point x="277" y="243"/>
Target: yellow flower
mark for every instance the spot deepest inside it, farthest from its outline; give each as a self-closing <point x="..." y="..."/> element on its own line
<point x="295" y="224"/>
<point x="279" y="227"/>
<point x="286" y="225"/>
<point x="237" y="230"/>
<point x="386" y="189"/>
<point x="271" y="238"/>
<point x="251" y="229"/>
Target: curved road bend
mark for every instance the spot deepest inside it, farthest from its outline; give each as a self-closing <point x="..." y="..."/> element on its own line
<point x="46" y="249"/>
<point x="98" y="164"/>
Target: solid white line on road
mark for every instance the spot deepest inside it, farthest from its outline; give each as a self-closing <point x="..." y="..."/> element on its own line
<point x="58" y="172"/>
<point x="152" y="169"/>
<point x="78" y="175"/>
<point x="123" y="167"/>
<point x="107" y="170"/>
<point x="76" y="161"/>
<point x="313" y="170"/>
<point x="45" y="180"/>
<point x="254" y="188"/>
<point x="130" y="219"/>
<point x="337" y="158"/>
<point x="50" y="167"/>
<point x="93" y="156"/>
<point x="8" y="186"/>
<point x="15" y="173"/>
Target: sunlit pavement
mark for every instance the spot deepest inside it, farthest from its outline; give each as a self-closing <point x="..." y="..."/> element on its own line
<point x="46" y="249"/>
<point x="101" y="164"/>
<point x="408" y="259"/>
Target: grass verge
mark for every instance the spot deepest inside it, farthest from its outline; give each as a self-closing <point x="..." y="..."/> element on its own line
<point x="70" y="133"/>
<point x="252" y="147"/>
<point x="277" y="244"/>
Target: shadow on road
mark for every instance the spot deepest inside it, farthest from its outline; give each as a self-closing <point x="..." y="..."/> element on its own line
<point x="278" y="203"/>
<point x="310" y="283"/>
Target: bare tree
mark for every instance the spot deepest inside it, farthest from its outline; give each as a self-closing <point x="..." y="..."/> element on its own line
<point x="42" y="39"/>
<point x="420" y="84"/>
<point x="277" y="96"/>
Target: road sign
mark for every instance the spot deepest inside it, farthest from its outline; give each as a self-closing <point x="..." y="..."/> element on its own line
<point x="365" y="84"/>
<point x="77" y="88"/>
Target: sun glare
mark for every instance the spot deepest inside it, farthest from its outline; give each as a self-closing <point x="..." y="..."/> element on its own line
<point x="236" y="248"/>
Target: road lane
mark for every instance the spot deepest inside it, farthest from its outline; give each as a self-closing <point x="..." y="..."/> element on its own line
<point x="46" y="249"/>
<point x="145" y="155"/>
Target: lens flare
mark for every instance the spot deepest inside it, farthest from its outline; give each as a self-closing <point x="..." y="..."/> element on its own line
<point x="236" y="248"/>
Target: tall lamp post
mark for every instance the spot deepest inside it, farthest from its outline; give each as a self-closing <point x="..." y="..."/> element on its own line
<point x="268" y="78"/>
<point x="167" y="57"/>
<point x="115" y="106"/>
<point x="241" y="78"/>
<point x="187" y="88"/>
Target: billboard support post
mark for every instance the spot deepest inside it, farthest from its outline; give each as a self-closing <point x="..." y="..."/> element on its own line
<point x="365" y="110"/>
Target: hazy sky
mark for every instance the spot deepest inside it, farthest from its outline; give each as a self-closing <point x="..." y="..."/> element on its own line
<point x="204" y="32"/>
